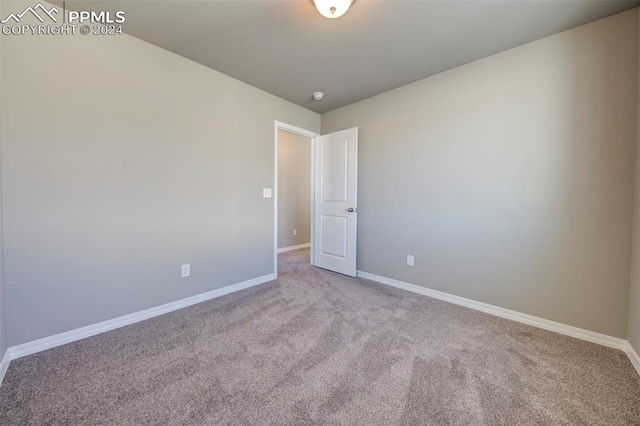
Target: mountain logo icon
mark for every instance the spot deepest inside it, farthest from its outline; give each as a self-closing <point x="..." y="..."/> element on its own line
<point x="34" y="11"/>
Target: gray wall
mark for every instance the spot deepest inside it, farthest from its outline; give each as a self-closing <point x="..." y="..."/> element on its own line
<point x="122" y="162"/>
<point x="510" y="179"/>
<point x="634" y="291"/>
<point x="294" y="189"/>
<point x="3" y="313"/>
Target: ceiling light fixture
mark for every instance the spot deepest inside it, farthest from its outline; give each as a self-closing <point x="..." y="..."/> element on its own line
<point x="332" y="8"/>
<point x="318" y="96"/>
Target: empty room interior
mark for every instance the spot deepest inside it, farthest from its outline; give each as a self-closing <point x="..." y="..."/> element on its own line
<point x="308" y="212"/>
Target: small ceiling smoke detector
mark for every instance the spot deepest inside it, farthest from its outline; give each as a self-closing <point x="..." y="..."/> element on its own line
<point x="318" y="96"/>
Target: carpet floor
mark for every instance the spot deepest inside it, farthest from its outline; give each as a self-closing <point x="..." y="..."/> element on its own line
<point x="316" y="347"/>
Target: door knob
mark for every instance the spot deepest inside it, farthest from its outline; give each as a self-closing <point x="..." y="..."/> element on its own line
<point x="351" y="210"/>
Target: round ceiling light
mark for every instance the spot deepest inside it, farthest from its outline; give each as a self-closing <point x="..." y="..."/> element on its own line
<point x="332" y="8"/>
<point x="318" y="96"/>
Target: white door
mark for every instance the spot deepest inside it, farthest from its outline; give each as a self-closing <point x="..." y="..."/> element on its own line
<point x="335" y="201"/>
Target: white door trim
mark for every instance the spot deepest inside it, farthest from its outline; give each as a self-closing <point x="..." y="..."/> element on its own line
<point x="278" y="125"/>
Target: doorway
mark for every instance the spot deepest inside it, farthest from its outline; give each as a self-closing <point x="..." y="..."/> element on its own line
<point x="332" y="184"/>
<point x="293" y="190"/>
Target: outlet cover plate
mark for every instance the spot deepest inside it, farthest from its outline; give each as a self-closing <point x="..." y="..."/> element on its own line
<point x="185" y="271"/>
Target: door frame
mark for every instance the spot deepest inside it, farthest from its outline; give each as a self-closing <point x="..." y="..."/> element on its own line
<point x="278" y="125"/>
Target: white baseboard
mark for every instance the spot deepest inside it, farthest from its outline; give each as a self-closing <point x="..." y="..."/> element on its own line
<point x="633" y="357"/>
<point x="4" y="364"/>
<point x="91" y="330"/>
<point x="291" y="248"/>
<point x="579" y="333"/>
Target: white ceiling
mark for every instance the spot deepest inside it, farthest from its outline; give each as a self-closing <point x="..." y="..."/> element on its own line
<point x="287" y="48"/>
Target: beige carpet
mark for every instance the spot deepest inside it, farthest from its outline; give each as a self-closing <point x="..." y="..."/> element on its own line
<point x="319" y="348"/>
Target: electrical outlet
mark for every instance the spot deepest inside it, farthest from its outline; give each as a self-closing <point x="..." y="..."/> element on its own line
<point x="295" y="232"/>
<point x="185" y="271"/>
<point x="410" y="260"/>
<point x="266" y="192"/>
